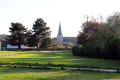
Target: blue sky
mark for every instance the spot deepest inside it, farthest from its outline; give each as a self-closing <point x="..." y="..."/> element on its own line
<point x="69" y="12"/>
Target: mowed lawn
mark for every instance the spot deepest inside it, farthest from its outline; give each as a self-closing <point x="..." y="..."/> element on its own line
<point x="58" y="57"/>
<point x="9" y="73"/>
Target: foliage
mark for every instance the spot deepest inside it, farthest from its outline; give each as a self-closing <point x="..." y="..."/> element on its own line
<point x="46" y="42"/>
<point x="77" y="50"/>
<point x="70" y="44"/>
<point x="18" y="34"/>
<point x="112" y="47"/>
<point x="41" y="34"/>
<point x="90" y="50"/>
<point x="97" y="40"/>
<point x="90" y="29"/>
<point x="57" y="45"/>
<point x="28" y="35"/>
<point x="93" y="39"/>
<point x="82" y="38"/>
<point x="113" y="22"/>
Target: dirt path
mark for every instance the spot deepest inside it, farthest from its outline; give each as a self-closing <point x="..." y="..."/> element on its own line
<point x="50" y="67"/>
<point x="14" y="54"/>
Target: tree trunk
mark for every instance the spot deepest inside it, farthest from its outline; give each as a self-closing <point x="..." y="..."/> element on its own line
<point x="19" y="45"/>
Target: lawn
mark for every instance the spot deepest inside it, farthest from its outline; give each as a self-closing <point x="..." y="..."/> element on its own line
<point x="14" y="52"/>
<point x="57" y="58"/>
<point x="9" y="73"/>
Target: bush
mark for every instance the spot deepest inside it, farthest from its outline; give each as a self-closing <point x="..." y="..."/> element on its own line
<point x="112" y="47"/>
<point x="73" y="50"/>
<point x="107" y="50"/>
<point x="92" y="50"/>
<point x="77" y="50"/>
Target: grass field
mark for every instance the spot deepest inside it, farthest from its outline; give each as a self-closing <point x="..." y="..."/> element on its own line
<point x="9" y="73"/>
<point x="13" y="52"/>
<point x="58" y="57"/>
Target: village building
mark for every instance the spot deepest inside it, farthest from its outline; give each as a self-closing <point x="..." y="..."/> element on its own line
<point x="65" y="41"/>
<point x="3" y="42"/>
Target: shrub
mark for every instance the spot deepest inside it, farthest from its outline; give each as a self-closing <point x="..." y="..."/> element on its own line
<point x="73" y="50"/>
<point x="112" y="47"/>
<point x="77" y="50"/>
<point x="107" y="50"/>
<point x="92" y="50"/>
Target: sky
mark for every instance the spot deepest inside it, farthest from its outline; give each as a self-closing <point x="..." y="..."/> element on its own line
<point x="70" y="13"/>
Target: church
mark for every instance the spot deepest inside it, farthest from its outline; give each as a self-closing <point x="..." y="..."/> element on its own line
<point x="65" y="41"/>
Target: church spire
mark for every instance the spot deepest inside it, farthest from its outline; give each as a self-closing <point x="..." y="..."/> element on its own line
<point x="59" y="36"/>
<point x="59" y="31"/>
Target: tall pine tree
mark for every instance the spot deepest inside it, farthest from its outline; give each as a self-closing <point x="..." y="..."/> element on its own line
<point x="41" y="34"/>
<point x="18" y="34"/>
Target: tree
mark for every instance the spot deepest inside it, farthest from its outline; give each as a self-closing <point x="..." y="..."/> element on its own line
<point x="41" y="34"/>
<point x="101" y="39"/>
<point x="28" y="35"/>
<point x="46" y="42"/>
<point x="89" y="34"/>
<point x="18" y="34"/>
<point x="82" y="38"/>
<point x="112" y="47"/>
<point x="92" y="38"/>
<point x="113" y="23"/>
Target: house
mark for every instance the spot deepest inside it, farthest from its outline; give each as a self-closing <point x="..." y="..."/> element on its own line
<point x="3" y="42"/>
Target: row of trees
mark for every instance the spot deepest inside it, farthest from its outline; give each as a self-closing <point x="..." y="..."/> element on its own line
<point x="99" y="39"/>
<point x="40" y="33"/>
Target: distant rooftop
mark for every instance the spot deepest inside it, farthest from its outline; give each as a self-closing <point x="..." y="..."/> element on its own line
<point x="3" y="37"/>
<point x="69" y="39"/>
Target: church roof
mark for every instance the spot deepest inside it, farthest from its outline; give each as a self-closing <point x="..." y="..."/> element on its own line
<point x="70" y="39"/>
<point x="3" y="38"/>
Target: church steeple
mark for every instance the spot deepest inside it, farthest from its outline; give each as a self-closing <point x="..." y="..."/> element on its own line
<point x="59" y="36"/>
<point x="59" y="31"/>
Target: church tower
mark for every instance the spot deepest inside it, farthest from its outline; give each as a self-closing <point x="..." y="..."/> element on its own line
<point x="59" y="36"/>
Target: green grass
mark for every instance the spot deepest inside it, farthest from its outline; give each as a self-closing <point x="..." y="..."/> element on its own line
<point x="13" y="52"/>
<point x="56" y="58"/>
<point x="9" y="73"/>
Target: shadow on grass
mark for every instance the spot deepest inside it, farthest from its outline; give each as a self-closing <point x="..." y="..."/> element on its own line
<point x="41" y="74"/>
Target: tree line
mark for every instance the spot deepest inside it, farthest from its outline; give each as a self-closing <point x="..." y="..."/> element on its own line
<point x="40" y="33"/>
<point x="99" y="39"/>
